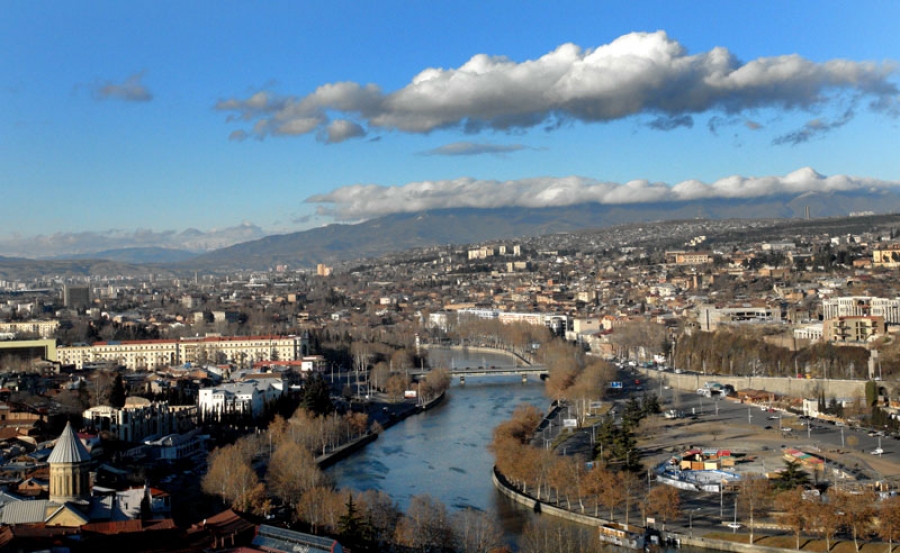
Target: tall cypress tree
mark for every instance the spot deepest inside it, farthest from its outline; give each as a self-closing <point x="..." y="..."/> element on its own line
<point x="117" y="393"/>
<point x="317" y="395"/>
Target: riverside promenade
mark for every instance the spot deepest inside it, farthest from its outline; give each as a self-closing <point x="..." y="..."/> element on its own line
<point x="702" y="522"/>
<point x="394" y="414"/>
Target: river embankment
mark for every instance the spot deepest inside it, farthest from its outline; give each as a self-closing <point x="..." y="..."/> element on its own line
<point x="396" y="416"/>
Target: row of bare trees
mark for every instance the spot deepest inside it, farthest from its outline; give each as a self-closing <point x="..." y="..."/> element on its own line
<point x="743" y="351"/>
<point x="516" y="337"/>
<point x="574" y="377"/>
<point x="290" y="448"/>
<point x="857" y="513"/>
<point x="568" y="481"/>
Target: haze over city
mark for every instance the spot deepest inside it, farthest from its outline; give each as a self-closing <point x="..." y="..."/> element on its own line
<point x="200" y="125"/>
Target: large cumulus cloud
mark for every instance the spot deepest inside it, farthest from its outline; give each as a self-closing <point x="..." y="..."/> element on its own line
<point x="639" y="73"/>
<point x="359" y="202"/>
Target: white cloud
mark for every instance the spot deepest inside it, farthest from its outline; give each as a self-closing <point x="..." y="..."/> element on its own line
<point x="193" y="240"/>
<point x="131" y="90"/>
<point x="814" y="128"/>
<point x="639" y="73"/>
<point x="472" y="149"/>
<point x="360" y="202"/>
<point x="340" y="130"/>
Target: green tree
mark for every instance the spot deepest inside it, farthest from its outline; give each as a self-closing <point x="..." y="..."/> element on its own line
<point x="317" y="395"/>
<point x="793" y="476"/>
<point x="117" y="393"/>
<point x="354" y="530"/>
<point x="871" y="393"/>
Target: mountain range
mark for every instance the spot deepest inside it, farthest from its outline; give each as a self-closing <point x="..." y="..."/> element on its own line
<point x="402" y="231"/>
<point x="336" y="243"/>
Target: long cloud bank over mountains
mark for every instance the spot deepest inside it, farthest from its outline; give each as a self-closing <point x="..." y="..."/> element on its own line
<point x="638" y="73"/>
<point x="360" y="202"/>
<point x="78" y="243"/>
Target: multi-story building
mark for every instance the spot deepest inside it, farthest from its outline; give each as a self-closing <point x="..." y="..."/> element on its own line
<point x="75" y="297"/>
<point x="246" y="398"/>
<point x="862" y="306"/>
<point x="711" y="317"/>
<point x="812" y="332"/>
<point x="140" y="418"/>
<point x="178" y="446"/>
<point x="150" y="354"/>
<point x="44" y="329"/>
<point x="483" y="252"/>
<point x="679" y="257"/>
<point x="886" y="255"/>
<point x="852" y="329"/>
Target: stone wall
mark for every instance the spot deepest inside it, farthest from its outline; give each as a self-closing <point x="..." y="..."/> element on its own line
<point x="792" y="387"/>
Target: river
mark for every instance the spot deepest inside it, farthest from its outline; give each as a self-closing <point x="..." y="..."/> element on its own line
<point x="444" y="452"/>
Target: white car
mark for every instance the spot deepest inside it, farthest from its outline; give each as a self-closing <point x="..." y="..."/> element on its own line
<point x="877" y="451"/>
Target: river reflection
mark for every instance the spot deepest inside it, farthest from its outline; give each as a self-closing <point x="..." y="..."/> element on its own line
<point x="444" y="452"/>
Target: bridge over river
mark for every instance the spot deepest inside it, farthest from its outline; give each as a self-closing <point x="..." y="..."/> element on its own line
<point x="482" y="361"/>
<point x="493" y="370"/>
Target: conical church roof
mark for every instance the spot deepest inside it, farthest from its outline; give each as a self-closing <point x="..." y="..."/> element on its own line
<point x="68" y="448"/>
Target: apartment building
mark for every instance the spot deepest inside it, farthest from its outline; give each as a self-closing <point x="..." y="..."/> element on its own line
<point x="243" y="351"/>
<point x="853" y="329"/>
<point x="862" y="306"/>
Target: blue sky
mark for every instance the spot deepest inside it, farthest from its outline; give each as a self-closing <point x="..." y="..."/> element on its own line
<point x="128" y="122"/>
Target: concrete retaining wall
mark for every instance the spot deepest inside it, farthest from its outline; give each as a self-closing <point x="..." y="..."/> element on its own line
<point x="793" y="387"/>
<point x="682" y="539"/>
<point x="722" y="545"/>
<point x="540" y="507"/>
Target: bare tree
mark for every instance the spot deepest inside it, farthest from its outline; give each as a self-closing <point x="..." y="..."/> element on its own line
<point x="791" y="512"/>
<point x="477" y="531"/>
<point x="858" y="512"/>
<point x="230" y="476"/>
<point x="544" y="535"/>
<point x="889" y="521"/>
<point x="754" y="497"/>
<point x="292" y="471"/>
<point x="665" y="502"/>
<point x="426" y="526"/>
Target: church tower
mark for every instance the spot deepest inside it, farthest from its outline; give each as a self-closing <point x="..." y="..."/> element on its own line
<point x="70" y="465"/>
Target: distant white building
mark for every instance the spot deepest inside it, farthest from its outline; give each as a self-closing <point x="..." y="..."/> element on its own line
<point x="812" y="332"/>
<point x="247" y="398"/>
<point x="862" y="306"/>
<point x="174" y="447"/>
<point x="140" y="418"/>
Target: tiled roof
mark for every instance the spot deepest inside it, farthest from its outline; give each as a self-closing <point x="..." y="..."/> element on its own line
<point x="68" y="449"/>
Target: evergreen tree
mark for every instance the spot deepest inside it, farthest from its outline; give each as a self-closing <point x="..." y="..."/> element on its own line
<point x="317" y="395"/>
<point x="117" y="393"/>
<point x="633" y="412"/>
<point x="793" y="476"/>
<point x="651" y="405"/>
<point x="354" y="531"/>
